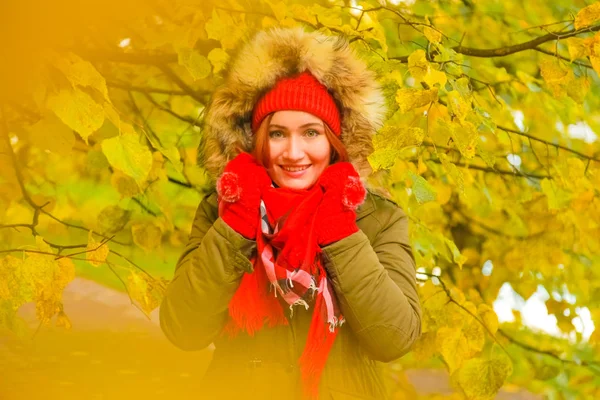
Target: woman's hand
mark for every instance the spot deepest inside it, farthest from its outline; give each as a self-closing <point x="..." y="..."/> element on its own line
<point x="343" y="193"/>
<point x="239" y="190"/>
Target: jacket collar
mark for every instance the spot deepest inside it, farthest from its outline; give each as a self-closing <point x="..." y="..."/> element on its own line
<point x="366" y="208"/>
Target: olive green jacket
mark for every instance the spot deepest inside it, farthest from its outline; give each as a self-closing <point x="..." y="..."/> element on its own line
<point x="373" y="275"/>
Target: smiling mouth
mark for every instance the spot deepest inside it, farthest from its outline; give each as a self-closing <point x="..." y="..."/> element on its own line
<point x="295" y="169"/>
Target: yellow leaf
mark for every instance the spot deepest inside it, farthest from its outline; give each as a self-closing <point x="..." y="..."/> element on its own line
<point x="80" y="72"/>
<point x="78" y="110"/>
<point x="587" y="16"/>
<point x="453" y="346"/>
<point x="125" y="153"/>
<point x="398" y="137"/>
<point x="125" y="185"/>
<point x="409" y="99"/>
<point x="424" y="348"/>
<point x="418" y="66"/>
<point x="556" y="76"/>
<point x="481" y="378"/>
<point x="422" y="70"/>
<point x="44" y="278"/>
<point x="489" y="317"/>
<point x="52" y="134"/>
<point x="577" y="48"/>
<point x="487" y="157"/>
<point x="279" y="9"/>
<point x="432" y="35"/>
<point x="595" y="61"/>
<point x="557" y="197"/>
<point x="197" y="65"/>
<point x="112" y="219"/>
<point x="329" y="17"/>
<point x="95" y="252"/>
<point x="435" y="77"/>
<point x="444" y="192"/>
<point x="141" y="289"/>
<point x="465" y="136"/>
<point x="458" y="106"/>
<point x="218" y="58"/>
<point x="62" y="321"/>
<point x="578" y="89"/>
<point x="303" y="13"/>
<point x="147" y="236"/>
<point x="222" y="27"/>
<point x="453" y="172"/>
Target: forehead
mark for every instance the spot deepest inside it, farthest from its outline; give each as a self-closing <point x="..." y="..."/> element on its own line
<point x="292" y="118"/>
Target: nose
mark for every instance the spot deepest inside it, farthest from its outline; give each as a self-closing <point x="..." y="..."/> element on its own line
<point x="295" y="149"/>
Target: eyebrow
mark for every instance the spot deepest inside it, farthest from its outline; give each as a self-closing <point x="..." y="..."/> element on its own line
<point x="303" y="126"/>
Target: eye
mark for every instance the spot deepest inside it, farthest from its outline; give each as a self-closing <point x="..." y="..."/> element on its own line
<point x="312" y="133"/>
<point x="275" y="134"/>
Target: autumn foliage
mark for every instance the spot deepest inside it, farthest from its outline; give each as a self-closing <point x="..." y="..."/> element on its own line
<point x="490" y="147"/>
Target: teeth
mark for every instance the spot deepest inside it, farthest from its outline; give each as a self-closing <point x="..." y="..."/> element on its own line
<point x="296" y="169"/>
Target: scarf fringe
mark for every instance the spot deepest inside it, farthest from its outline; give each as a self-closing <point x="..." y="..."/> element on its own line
<point x="318" y="345"/>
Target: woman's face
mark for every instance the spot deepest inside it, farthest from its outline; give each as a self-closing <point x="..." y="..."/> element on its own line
<point x="298" y="149"/>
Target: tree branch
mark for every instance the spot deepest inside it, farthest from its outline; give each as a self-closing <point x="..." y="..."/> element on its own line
<point x="558" y="146"/>
<point x="508" y="50"/>
<point x="184" y="86"/>
<point x="494" y="170"/>
<point x="142" y="89"/>
<point x="563" y="57"/>
<point x="584" y="363"/>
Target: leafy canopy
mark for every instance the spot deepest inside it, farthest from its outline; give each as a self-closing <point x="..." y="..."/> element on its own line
<point x="490" y="147"/>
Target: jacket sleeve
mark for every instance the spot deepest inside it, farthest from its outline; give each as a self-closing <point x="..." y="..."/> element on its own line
<point x="375" y="284"/>
<point x="195" y="306"/>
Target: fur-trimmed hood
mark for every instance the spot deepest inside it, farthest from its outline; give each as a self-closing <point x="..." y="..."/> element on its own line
<point x="281" y="52"/>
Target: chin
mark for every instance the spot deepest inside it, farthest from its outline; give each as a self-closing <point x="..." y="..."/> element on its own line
<point x="297" y="185"/>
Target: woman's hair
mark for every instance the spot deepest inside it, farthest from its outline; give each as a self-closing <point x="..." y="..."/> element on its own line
<point x="261" y="143"/>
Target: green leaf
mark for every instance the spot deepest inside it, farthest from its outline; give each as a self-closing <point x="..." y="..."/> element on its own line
<point x="422" y="190"/>
<point x="197" y="65"/>
<point x="457" y="257"/>
<point x="147" y="236"/>
<point x="383" y="158"/>
<point x="481" y="378"/>
<point x="80" y="72"/>
<point x="112" y="219"/>
<point x="78" y="110"/>
<point x="125" y="153"/>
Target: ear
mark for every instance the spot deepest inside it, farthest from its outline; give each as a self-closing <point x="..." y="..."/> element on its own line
<point x="354" y="193"/>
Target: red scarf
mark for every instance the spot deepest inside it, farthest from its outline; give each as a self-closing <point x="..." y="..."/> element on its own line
<point x="288" y="270"/>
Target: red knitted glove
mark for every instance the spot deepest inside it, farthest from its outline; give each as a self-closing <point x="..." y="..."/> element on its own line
<point x="344" y="192"/>
<point x="239" y="190"/>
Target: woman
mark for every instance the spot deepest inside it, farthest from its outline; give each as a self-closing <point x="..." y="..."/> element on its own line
<point x="303" y="281"/>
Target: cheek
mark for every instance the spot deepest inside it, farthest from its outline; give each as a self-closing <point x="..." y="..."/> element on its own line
<point x="322" y="154"/>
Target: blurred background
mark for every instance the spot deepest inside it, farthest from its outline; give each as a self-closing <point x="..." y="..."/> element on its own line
<point x="490" y="146"/>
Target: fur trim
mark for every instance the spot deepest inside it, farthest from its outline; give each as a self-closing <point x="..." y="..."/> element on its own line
<point x="282" y="52"/>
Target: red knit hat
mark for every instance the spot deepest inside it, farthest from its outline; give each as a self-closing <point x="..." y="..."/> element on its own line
<point x="301" y="93"/>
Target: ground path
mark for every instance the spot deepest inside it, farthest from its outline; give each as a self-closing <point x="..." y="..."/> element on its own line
<point x="115" y="352"/>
